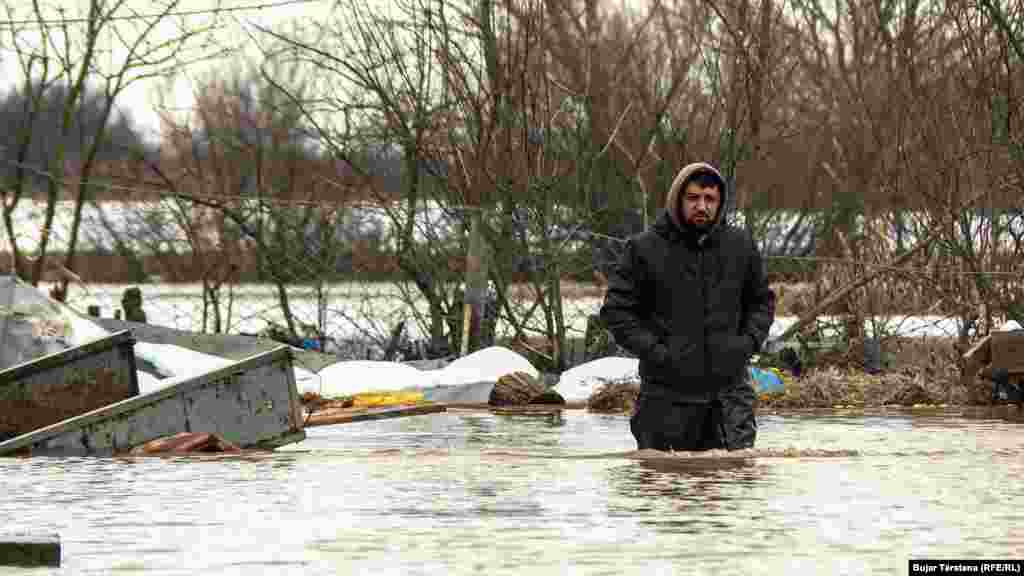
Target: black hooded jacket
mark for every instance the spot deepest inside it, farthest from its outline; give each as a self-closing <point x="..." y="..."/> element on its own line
<point x="692" y="307"/>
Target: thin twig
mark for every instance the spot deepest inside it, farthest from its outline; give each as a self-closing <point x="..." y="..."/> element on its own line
<point x="616" y="130"/>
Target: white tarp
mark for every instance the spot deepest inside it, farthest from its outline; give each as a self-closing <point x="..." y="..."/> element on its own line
<point x="578" y="383"/>
<point x="478" y="371"/>
<point x="351" y="377"/>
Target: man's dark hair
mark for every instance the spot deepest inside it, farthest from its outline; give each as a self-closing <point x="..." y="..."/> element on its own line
<point x="705" y="180"/>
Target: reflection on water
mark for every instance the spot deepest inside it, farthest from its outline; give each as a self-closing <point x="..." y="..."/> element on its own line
<point x="467" y="493"/>
<point x="678" y="496"/>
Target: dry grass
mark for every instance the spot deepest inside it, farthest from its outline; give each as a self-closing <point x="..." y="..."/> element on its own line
<point x="920" y="371"/>
<point x="614" y="397"/>
<point x="832" y="387"/>
<point x="923" y="371"/>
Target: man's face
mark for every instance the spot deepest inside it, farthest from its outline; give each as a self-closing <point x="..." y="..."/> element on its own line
<point x="700" y="205"/>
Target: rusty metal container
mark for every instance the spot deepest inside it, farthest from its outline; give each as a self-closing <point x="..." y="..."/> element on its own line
<point x="64" y="384"/>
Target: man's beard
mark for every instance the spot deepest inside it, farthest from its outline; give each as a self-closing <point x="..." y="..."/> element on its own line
<point x="700" y="226"/>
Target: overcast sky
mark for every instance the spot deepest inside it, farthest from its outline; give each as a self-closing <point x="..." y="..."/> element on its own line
<point x="142" y="97"/>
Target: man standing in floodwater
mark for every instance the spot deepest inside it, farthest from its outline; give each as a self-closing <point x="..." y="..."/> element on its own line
<point x="690" y="298"/>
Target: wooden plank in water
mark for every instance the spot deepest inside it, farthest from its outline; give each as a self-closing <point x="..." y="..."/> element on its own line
<point x="527" y="410"/>
<point x="28" y="550"/>
<point x="485" y="406"/>
<point x="349" y="415"/>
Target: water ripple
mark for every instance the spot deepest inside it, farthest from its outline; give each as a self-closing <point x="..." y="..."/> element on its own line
<point x="466" y="494"/>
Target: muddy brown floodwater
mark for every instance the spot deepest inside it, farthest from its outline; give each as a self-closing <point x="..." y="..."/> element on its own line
<point x="478" y="493"/>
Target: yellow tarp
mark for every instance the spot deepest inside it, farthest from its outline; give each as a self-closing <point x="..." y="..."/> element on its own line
<point x="388" y="398"/>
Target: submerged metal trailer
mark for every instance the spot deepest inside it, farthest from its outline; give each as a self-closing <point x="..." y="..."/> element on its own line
<point x="51" y="388"/>
<point x="253" y="403"/>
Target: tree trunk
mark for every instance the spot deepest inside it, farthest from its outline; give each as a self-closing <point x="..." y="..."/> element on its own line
<point x="475" y="296"/>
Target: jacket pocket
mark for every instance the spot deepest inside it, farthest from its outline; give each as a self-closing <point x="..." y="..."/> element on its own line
<point x="729" y="354"/>
<point x="687" y="359"/>
<point x="669" y="363"/>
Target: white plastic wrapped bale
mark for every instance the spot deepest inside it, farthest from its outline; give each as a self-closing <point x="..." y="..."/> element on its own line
<point x="490" y="364"/>
<point x="458" y="376"/>
<point x="578" y="383"/>
<point x="471" y="378"/>
<point x="355" y="376"/>
<point x="461" y="384"/>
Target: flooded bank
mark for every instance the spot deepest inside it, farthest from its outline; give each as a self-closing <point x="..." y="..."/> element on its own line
<point x="478" y="493"/>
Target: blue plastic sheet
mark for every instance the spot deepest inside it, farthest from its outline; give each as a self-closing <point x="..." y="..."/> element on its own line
<point x="766" y="381"/>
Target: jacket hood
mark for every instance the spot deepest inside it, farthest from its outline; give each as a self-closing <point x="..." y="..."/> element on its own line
<point x="673" y="203"/>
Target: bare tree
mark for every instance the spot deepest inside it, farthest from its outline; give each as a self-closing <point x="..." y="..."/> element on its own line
<point x="252" y="193"/>
<point x="36" y="79"/>
<point x="111" y="46"/>
<point x="379" y="86"/>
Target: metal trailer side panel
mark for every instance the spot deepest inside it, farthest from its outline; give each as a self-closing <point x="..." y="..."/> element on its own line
<point x="252" y="403"/>
<point x="58" y="386"/>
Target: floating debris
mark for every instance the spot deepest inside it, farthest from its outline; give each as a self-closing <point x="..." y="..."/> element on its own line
<point x="389" y="398"/>
<point x="615" y="397"/>
<point x="29" y="550"/>
<point x="549" y="397"/>
<point x="313" y="402"/>
<point x="334" y="415"/>
<point x="515" y="389"/>
<point x="186" y="442"/>
<point x="532" y="410"/>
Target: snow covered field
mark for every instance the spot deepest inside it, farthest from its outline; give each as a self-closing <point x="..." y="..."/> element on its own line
<point x="353" y="310"/>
